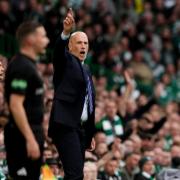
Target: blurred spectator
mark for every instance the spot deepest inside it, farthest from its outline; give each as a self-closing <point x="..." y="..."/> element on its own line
<point x="111" y="124"/>
<point x="110" y="171"/>
<point x="101" y="149"/>
<point x="8" y="21"/>
<point x="90" y="171"/>
<point x="131" y="166"/>
<point x="56" y="167"/>
<point x="146" y="166"/>
<point x="47" y="154"/>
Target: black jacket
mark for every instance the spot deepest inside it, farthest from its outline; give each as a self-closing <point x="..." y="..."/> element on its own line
<point x="70" y="90"/>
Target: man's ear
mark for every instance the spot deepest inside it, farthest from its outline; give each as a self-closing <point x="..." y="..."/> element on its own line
<point x="70" y="46"/>
<point x="30" y="39"/>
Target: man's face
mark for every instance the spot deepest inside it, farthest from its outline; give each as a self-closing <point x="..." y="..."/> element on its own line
<point x="40" y="40"/>
<point x="78" y="45"/>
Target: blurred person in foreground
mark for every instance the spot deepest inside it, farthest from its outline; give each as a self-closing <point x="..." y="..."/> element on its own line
<point x="73" y="111"/>
<point x="24" y="138"/>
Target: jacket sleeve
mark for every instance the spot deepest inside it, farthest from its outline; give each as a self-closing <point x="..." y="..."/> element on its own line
<point x="59" y="53"/>
<point x="59" y="60"/>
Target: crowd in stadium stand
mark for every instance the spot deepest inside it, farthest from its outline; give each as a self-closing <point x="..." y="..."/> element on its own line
<point x="137" y="123"/>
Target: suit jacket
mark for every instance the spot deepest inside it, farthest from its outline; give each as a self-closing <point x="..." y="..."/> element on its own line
<point x="70" y="90"/>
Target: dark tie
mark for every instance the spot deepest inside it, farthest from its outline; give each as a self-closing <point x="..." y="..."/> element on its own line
<point x="89" y="90"/>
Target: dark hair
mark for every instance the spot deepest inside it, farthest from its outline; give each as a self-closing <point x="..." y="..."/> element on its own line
<point x="143" y="161"/>
<point x="53" y="161"/>
<point x="127" y="155"/>
<point x="25" y="29"/>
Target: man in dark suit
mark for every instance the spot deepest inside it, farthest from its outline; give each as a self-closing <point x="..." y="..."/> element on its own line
<point x="71" y="124"/>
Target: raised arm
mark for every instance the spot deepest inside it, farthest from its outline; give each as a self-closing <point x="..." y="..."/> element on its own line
<point x="68" y="23"/>
<point x="61" y="43"/>
<point x="125" y="96"/>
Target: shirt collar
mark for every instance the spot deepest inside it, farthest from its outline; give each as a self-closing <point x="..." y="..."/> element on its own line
<point x="145" y="174"/>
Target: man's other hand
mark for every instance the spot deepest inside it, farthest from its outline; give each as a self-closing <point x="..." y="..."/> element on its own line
<point x="33" y="150"/>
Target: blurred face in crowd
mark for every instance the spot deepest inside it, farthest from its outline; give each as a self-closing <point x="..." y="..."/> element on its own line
<point x="111" y="109"/>
<point x="176" y="140"/>
<point x="117" y="154"/>
<point x="166" y="79"/>
<point x="47" y="154"/>
<point x="103" y="95"/>
<point x="90" y="171"/>
<point x="129" y="147"/>
<point x="100" y="137"/>
<point x="171" y="107"/>
<point x="2" y="155"/>
<point x="174" y="128"/>
<point x="174" y="117"/>
<point x="4" y="7"/>
<point x="142" y="100"/>
<point x="113" y="95"/>
<point x="160" y="19"/>
<point x="166" y="159"/>
<point x="55" y="169"/>
<point x="148" y="167"/>
<point x="101" y="149"/>
<point x="156" y="115"/>
<point x="158" y="155"/>
<point x="136" y="142"/>
<point x="132" y="161"/>
<point x="138" y="56"/>
<point x="175" y="151"/>
<point x="131" y="106"/>
<point x="164" y="130"/>
<point x="147" y="143"/>
<point x="111" y="167"/>
<point x="78" y="45"/>
<point x="133" y="124"/>
<point x="145" y="123"/>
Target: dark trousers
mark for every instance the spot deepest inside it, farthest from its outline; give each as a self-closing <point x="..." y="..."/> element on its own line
<point x="71" y="148"/>
<point x="20" y="166"/>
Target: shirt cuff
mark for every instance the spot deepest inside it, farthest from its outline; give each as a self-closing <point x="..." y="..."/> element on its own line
<point x="64" y="37"/>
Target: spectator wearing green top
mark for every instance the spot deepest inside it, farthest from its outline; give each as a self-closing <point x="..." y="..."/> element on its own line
<point x="111" y="124"/>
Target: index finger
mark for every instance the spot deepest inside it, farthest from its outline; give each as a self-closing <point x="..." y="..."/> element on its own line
<point x="70" y="11"/>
